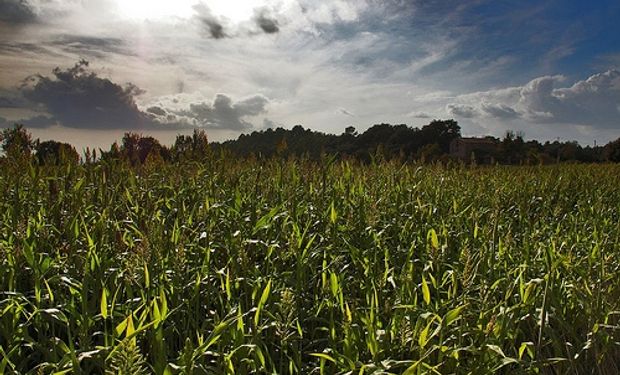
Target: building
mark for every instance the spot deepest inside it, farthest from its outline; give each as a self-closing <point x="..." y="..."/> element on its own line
<point x="481" y="149"/>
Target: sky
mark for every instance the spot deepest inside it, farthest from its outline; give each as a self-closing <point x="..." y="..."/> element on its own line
<point x="86" y="71"/>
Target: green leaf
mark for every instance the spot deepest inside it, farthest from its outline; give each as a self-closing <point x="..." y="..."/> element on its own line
<point x="423" y="338"/>
<point x="261" y="303"/>
<point x="324" y="356"/>
<point x="453" y="315"/>
<point x="120" y="328"/>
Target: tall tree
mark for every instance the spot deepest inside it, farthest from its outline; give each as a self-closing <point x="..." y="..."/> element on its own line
<point x="17" y="142"/>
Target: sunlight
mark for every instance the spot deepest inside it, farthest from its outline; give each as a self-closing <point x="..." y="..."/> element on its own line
<point x="233" y="10"/>
<point x="155" y="9"/>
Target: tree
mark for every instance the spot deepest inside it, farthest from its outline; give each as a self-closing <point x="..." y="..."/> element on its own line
<point x="191" y="147"/>
<point x="350" y="131"/>
<point x="17" y="142"/>
<point x="53" y="152"/>
<point x="513" y="147"/>
<point x="136" y="149"/>
<point x="611" y="151"/>
<point x="441" y="132"/>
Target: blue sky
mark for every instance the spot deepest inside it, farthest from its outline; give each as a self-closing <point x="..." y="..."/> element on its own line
<point x="546" y="68"/>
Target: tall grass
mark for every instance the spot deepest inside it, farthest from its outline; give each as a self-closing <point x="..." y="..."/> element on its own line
<point x="236" y="267"/>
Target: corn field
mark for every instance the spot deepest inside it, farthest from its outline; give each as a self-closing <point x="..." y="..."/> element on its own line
<point x="297" y="267"/>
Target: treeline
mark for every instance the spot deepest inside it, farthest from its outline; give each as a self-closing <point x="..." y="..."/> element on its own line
<point x="431" y="143"/>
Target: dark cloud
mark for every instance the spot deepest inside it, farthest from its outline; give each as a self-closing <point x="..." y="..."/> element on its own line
<point x="224" y="114"/>
<point x="40" y="121"/>
<point x="501" y="111"/>
<point x="78" y="98"/>
<point x="462" y="110"/>
<point x="266" y="22"/>
<point x="20" y="48"/>
<point x="214" y="27"/>
<point x="16" y="12"/>
<point x="11" y="102"/>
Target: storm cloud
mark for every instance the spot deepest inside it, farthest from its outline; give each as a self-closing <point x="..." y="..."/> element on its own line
<point x="266" y="22"/>
<point x="78" y="98"/>
<point x="16" y="11"/>
<point x="211" y="23"/>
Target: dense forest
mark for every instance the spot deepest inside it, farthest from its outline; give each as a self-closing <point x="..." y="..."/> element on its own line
<point x="431" y="143"/>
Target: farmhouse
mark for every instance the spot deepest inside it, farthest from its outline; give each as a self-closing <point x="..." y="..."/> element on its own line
<point x="482" y="149"/>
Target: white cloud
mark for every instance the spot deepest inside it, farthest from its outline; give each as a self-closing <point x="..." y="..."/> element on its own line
<point x="592" y="102"/>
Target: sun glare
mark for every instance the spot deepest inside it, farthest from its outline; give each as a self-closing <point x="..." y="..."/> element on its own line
<point x="232" y="10"/>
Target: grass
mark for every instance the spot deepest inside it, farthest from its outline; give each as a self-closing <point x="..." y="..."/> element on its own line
<point x="241" y="267"/>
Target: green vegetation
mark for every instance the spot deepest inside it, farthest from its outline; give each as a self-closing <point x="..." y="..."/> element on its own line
<point x="273" y="266"/>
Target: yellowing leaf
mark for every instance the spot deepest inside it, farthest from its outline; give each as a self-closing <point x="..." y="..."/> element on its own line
<point x="104" y="304"/>
<point x="426" y="293"/>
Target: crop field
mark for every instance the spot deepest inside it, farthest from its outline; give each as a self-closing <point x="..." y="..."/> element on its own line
<point x="297" y="267"/>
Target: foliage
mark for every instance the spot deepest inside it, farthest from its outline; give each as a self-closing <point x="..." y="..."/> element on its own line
<point x="293" y="266"/>
<point x="192" y="147"/>
<point x="54" y="152"/>
<point x="17" y="142"/>
<point x="612" y="151"/>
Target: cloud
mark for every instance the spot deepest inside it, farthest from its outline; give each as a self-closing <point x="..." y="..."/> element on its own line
<point x="16" y="12"/>
<point x="40" y="121"/>
<point x="266" y="22"/>
<point x="9" y="99"/>
<point x="501" y="111"/>
<point x="223" y="113"/>
<point x="592" y="102"/>
<point x="158" y="111"/>
<point x="462" y="110"/>
<point x="78" y="98"/>
<point x="270" y="124"/>
<point x="345" y="112"/>
<point x="84" y="45"/>
<point x="212" y="24"/>
<point x="418" y="114"/>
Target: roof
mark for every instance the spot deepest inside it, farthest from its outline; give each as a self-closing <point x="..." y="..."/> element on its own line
<point x="477" y="140"/>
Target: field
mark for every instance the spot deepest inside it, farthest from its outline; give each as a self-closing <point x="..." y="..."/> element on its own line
<point x="237" y="267"/>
